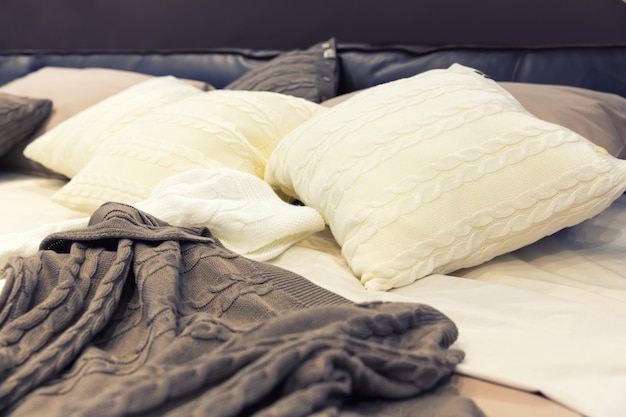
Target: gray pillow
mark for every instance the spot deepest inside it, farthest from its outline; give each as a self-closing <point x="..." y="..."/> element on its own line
<point x="19" y="118"/>
<point x="311" y="74"/>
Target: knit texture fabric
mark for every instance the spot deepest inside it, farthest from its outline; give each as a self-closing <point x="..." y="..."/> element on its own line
<point x="240" y="209"/>
<point x="132" y="316"/>
<point x="438" y="172"/>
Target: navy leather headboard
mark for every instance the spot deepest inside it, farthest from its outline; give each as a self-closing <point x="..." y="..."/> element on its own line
<point x="573" y="42"/>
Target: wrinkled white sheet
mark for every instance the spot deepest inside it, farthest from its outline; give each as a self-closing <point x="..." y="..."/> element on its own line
<point x="550" y="317"/>
<point x="569" y="351"/>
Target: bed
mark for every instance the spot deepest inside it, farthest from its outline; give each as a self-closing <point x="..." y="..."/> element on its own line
<point x="329" y="208"/>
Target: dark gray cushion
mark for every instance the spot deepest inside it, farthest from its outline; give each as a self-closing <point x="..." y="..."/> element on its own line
<point x="19" y="118"/>
<point x="311" y="74"/>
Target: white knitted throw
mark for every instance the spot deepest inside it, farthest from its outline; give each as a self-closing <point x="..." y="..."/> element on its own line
<point x="241" y="210"/>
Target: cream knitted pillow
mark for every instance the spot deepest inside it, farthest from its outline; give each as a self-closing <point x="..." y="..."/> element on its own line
<point x="71" y="144"/>
<point x="219" y="128"/>
<point x="438" y="172"/>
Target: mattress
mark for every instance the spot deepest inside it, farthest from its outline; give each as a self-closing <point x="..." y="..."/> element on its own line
<point x="527" y="320"/>
<point x="536" y="291"/>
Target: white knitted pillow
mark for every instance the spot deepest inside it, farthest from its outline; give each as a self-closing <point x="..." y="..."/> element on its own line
<point x="219" y="128"/>
<point x="71" y="144"/>
<point x="438" y="172"/>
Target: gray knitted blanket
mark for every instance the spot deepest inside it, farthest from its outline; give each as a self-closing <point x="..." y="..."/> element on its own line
<point x="132" y="316"/>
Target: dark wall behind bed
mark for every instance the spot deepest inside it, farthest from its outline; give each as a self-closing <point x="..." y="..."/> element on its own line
<point x="287" y="24"/>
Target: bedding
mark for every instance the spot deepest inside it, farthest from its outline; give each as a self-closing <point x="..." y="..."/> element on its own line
<point x="252" y="259"/>
<point x="222" y="337"/>
<point x="595" y="115"/>
<point x="310" y="74"/>
<point x="71" y="90"/>
<point x="19" y="118"/>
<point x="435" y="146"/>
<point x="232" y="129"/>
<point x="508" y="319"/>
<point x="67" y="148"/>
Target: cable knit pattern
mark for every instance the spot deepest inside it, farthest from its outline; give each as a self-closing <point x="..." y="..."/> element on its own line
<point x="240" y="209"/>
<point x="440" y="171"/>
<point x="20" y="117"/>
<point x="218" y="128"/>
<point x="312" y="74"/>
<point x="68" y="147"/>
<point x="132" y="316"/>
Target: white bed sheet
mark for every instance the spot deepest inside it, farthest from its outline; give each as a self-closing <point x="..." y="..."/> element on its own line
<point x="549" y="318"/>
<point x="25" y="203"/>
